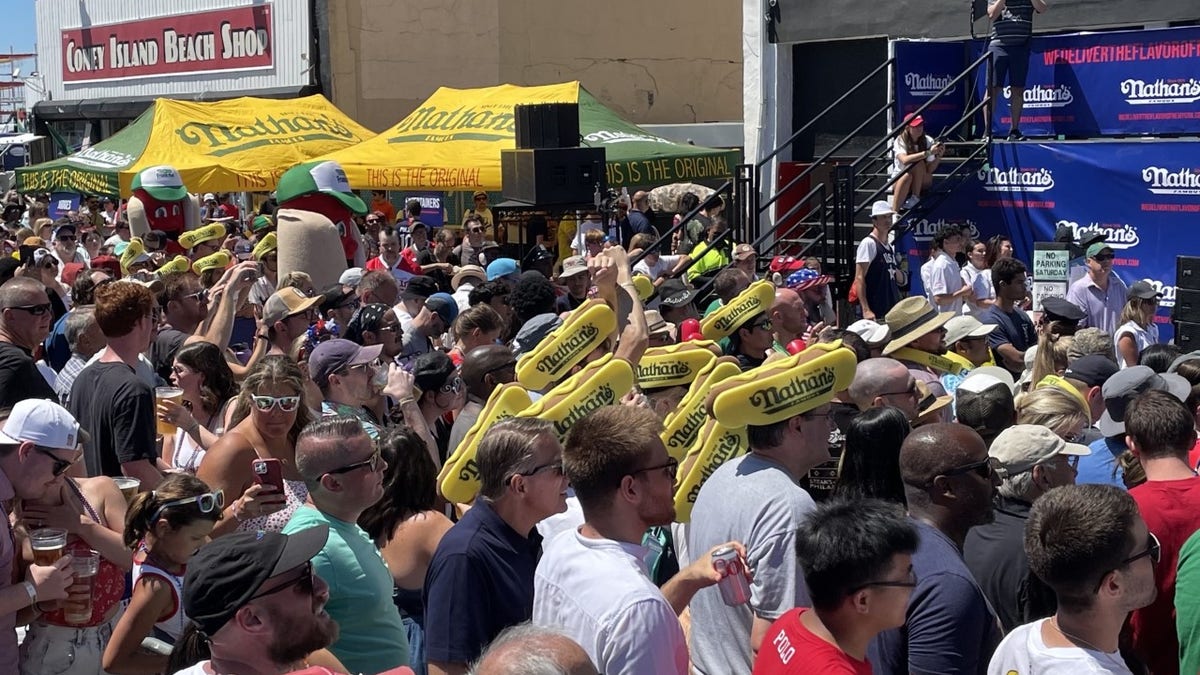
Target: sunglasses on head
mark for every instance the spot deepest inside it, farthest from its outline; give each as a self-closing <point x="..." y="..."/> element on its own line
<point x="60" y="465"/>
<point x="266" y="403"/>
<point x="206" y="502"/>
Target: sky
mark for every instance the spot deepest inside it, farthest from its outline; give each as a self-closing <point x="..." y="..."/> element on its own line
<point x="19" y="31"/>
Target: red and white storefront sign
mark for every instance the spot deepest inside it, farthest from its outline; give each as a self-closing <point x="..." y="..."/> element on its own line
<point x="237" y="38"/>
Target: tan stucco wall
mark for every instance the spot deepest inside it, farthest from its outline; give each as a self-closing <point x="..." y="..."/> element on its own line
<point x="680" y="63"/>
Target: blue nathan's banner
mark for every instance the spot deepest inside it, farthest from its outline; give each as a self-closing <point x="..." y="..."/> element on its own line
<point x="1144" y="82"/>
<point x="1143" y="195"/>
<point x="923" y="69"/>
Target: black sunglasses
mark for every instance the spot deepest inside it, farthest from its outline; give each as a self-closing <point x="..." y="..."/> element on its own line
<point x="911" y="582"/>
<point x="1153" y="550"/>
<point x="670" y="468"/>
<point x="1104" y="257"/>
<point x="373" y="462"/>
<point x="60" y="465"/>
<point x="304" y="581"/>
<point x="556" y="467"/>
<point x="36" y="310"/>
<point x="985" y="468"/>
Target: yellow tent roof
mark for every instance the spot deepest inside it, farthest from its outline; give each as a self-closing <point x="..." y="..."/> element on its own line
<point x="241" y="144"/>
<point x="453" y="140"/>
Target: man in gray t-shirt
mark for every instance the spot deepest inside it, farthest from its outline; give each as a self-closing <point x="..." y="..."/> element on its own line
<point x="755" y="498"/>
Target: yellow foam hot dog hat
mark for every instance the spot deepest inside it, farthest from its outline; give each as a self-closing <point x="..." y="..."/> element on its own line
<point x="672" y="365"/>
<point x="584" y="330"/>
<point x="178" y="265"/>
<point x="715" y="445"/>
<point x="591" y="388"/>
<point x="681" y="427"/>
<point x="202" y="234"/>
<point x="644" y="287"/>
<point x="782" y="389"/>
<point x="757" y="298"/>
<point x="266" y="245"/>
<point x="459" y="477"/>
<point x="215" y="261"/>
<point x="132" y="251"/>
<point x="1058" y="382"/>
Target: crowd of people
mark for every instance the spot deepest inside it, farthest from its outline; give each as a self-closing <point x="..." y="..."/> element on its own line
<point x="451" y="461"/>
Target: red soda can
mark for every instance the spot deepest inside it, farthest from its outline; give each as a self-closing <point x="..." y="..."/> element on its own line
<point x="734" y="585"/>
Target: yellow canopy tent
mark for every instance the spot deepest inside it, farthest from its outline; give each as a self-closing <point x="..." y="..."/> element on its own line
<point x="453" y="140"/>
<point x="241" y="144"/>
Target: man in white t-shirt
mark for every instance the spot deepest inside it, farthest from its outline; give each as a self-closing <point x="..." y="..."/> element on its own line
<point x="591" y="221"/>
<point x="591" y="582"/>
<point x="942" y="277"/>
<point x="1088" y="543"/>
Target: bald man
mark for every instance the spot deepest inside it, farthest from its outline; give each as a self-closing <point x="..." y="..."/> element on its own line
<point x="949" y="483"/>
<point x="883" y="381"/>
<point x="25" y="318"/>
<point x="789" y="318"/>
<point x="525" y="648"/>
<point x="483" y="369"/>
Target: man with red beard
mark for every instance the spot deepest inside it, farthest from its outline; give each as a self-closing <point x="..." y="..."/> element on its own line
<point x="344" y="473"/>
<point x="255" y="605"/>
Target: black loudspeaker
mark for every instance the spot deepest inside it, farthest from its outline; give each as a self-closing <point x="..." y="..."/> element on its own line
<point x="1187" y="305"/>
<point x="547" y="125"/>
<point x="567" y="176"/>
<point x="1187" y="336"/>
<point x="1187" y="272"/>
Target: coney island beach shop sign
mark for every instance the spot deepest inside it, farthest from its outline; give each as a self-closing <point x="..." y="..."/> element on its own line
<point x="237" y="38"/>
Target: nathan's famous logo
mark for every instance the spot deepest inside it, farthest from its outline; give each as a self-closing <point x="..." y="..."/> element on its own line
<point x="1118" y="236"/>
<point x="1162" y="181"/>
<point x="727" y="447"/>
<point x="224" y="139"/>
<point x="924" y="229"/>
<point x="925" y="85"/>
<point x="568" y="348"/>
<point x="1168" y="292"/>
<point x="1040" y="96"/>
<point x="749" y="307"/>
<point x="1159" y="92"/>
<point x="1012" y="179"/>
<point x="684" y="435"/>
<point x="654" y="372"/>
<point x="770" y="400"/>
<point x="433" y="124"/>
<point x="604" y="395"/>
<point x="612" y="137"/>
<point x="102" y="159"/>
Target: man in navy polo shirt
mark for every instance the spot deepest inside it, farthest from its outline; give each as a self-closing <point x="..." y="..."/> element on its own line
<point x="480" y="580"/>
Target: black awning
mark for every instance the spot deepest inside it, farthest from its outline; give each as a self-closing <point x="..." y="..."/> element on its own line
<point x="129" y="107"/>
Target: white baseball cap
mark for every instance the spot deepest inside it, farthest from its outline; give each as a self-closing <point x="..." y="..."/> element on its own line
<point x="42" y="422"/>
<point x="1023" y="446"/>
<point x="871" y="332"/>
<point x="881" y="208"/>
<point x="966" y="326"/>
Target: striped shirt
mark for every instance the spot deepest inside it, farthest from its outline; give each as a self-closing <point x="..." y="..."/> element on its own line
<point x="1015" y="25"/>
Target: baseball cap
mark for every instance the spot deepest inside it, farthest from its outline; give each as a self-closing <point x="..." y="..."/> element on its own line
<point x="161" y="182"/>
<point x="1125" y="385"/>
<point x="985" y="377"/>
<point x="502" y="267"/>
<point x="1055" y="308"/>
<point x="65" y="226"/>
<point x="914" y="120"/>
<point x="1142" y="290"/>
<point x="743" y="251"/>
<point x="70" y="272"/>
<point x="1023" y="446"/>
<point x="286" y="302"/>
<point x="209" y="197"/>
<point x="326" y="177"/>
<point x="419" y="288"/>
<point x="673" y="293"/>
<point x="333" y="295"/>
<point x="228" y="571"/>
<point x="573" y="265"/>
<point x="260" y="223"/>
<point x="1092" y="370"/>
<point x="333" y="355"/>
<point x="444" y="305"/>
<point x="985" y="403"/>
<point x="881" y="208"/>
<point x="966" y="326"/>
<point x="871" y="332"/>
<point x="1097" y="248"/>
<point x="478" y="193"/>
<point x="42" y="422"/>
<point x="351" y="277"/>
<point x="431" y="370"/>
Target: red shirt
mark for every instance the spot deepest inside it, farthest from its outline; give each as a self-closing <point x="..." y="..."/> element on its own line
<point x="1171" y="509"/>
<point x="789" y="648"/>
<point x="1194" y="455"/>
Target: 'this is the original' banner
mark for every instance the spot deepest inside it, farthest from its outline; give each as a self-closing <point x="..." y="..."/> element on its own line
<point x="238" y="38"/>
<point x="1143" y="195"/>
<point x="1100" y="84"/>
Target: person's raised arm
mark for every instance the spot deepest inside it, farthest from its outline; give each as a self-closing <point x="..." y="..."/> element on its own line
<point x="996" y="8"/>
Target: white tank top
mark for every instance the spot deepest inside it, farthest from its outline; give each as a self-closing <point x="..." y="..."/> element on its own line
<point x="173" y="624"/>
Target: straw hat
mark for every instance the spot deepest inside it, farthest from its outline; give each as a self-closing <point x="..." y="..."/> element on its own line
<point x="911" y="318"/>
